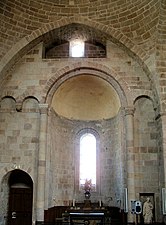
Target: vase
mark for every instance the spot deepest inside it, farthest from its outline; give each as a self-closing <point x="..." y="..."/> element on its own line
<point x="87" y="194"/>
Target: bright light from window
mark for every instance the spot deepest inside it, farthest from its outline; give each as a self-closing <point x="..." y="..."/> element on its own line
<point x="88" y="158"/>
<point x="77" y="48"/>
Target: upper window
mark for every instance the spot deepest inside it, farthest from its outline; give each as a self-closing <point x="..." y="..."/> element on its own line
<point x="77" y="48"/>
<point x="88" y="159"/>
<point x="74" y="40"/>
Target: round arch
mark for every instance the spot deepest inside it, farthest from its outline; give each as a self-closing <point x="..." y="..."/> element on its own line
<point x="147" y="96"/>
<point x="87" y="130"/>
<point x="92" y="69"/>
<point x="143" y="96"/>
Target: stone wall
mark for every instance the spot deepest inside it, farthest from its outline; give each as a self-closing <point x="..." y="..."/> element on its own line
<point x="33" y="76"/>
<point x="19" y="140"/>
<point x="146" y="151"/>
<point x="19" y="134"/>
<point x="33" y="80"/>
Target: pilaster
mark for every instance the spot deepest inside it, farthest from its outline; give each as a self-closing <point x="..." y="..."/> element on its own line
<point x="41" y="162"/>
<point x="129" y="120"/>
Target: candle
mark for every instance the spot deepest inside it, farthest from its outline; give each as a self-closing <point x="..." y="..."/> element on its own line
<point x="99" y="203"/>
<point x="73" y="202"/>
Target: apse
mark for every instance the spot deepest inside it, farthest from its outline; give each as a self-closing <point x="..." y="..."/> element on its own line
<point x="86" y="97"/>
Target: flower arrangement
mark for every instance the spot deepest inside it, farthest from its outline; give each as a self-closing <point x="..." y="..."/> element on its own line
<point x="88" y="185"/>
<point x="87" y="188"/>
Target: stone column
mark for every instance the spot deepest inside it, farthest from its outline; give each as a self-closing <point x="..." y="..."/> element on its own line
<point x="41" y="163"/>
<point x="129" y="117"/>
<point x="161" y="119"/>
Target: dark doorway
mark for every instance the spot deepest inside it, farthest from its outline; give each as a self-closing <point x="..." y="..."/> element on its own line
<point x="20" y="198"/>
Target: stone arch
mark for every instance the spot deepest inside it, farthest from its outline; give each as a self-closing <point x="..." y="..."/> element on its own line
<point x="30" y="103"/>
<point x="27" y="94"/>
<point x="147" y="96"/>
<point x="21" y="99"/>
<point x="7" y="94"/>
<point x="8" y="103"/>
<point x="87" y="130"/>
<point x="90" y="68"/>
<point x="26" y="43"/>
<point x="139" y="93"/>
<point x="7" y="170"/>
<point x="20" y="171"/>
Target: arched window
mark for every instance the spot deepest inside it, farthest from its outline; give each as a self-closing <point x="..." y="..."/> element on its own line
<point x="87" y="169"/>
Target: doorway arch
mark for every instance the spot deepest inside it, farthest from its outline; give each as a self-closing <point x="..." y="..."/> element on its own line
<point x="20" y="198"/>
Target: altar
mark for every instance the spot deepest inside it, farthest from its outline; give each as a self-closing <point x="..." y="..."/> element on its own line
<point x="81" y="215"/>
<point x="87" y="213"/>
<point x="87" y="218"/>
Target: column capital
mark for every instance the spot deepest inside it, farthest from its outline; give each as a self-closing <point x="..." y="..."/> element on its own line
<point x="43" y="108"/>
<point x="129" y="110"/>
<point x="18" y="106"/>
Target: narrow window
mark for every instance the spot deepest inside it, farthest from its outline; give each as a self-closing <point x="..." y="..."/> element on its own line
<point x="88" y="159"/>
<point x="77" y="48"/>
